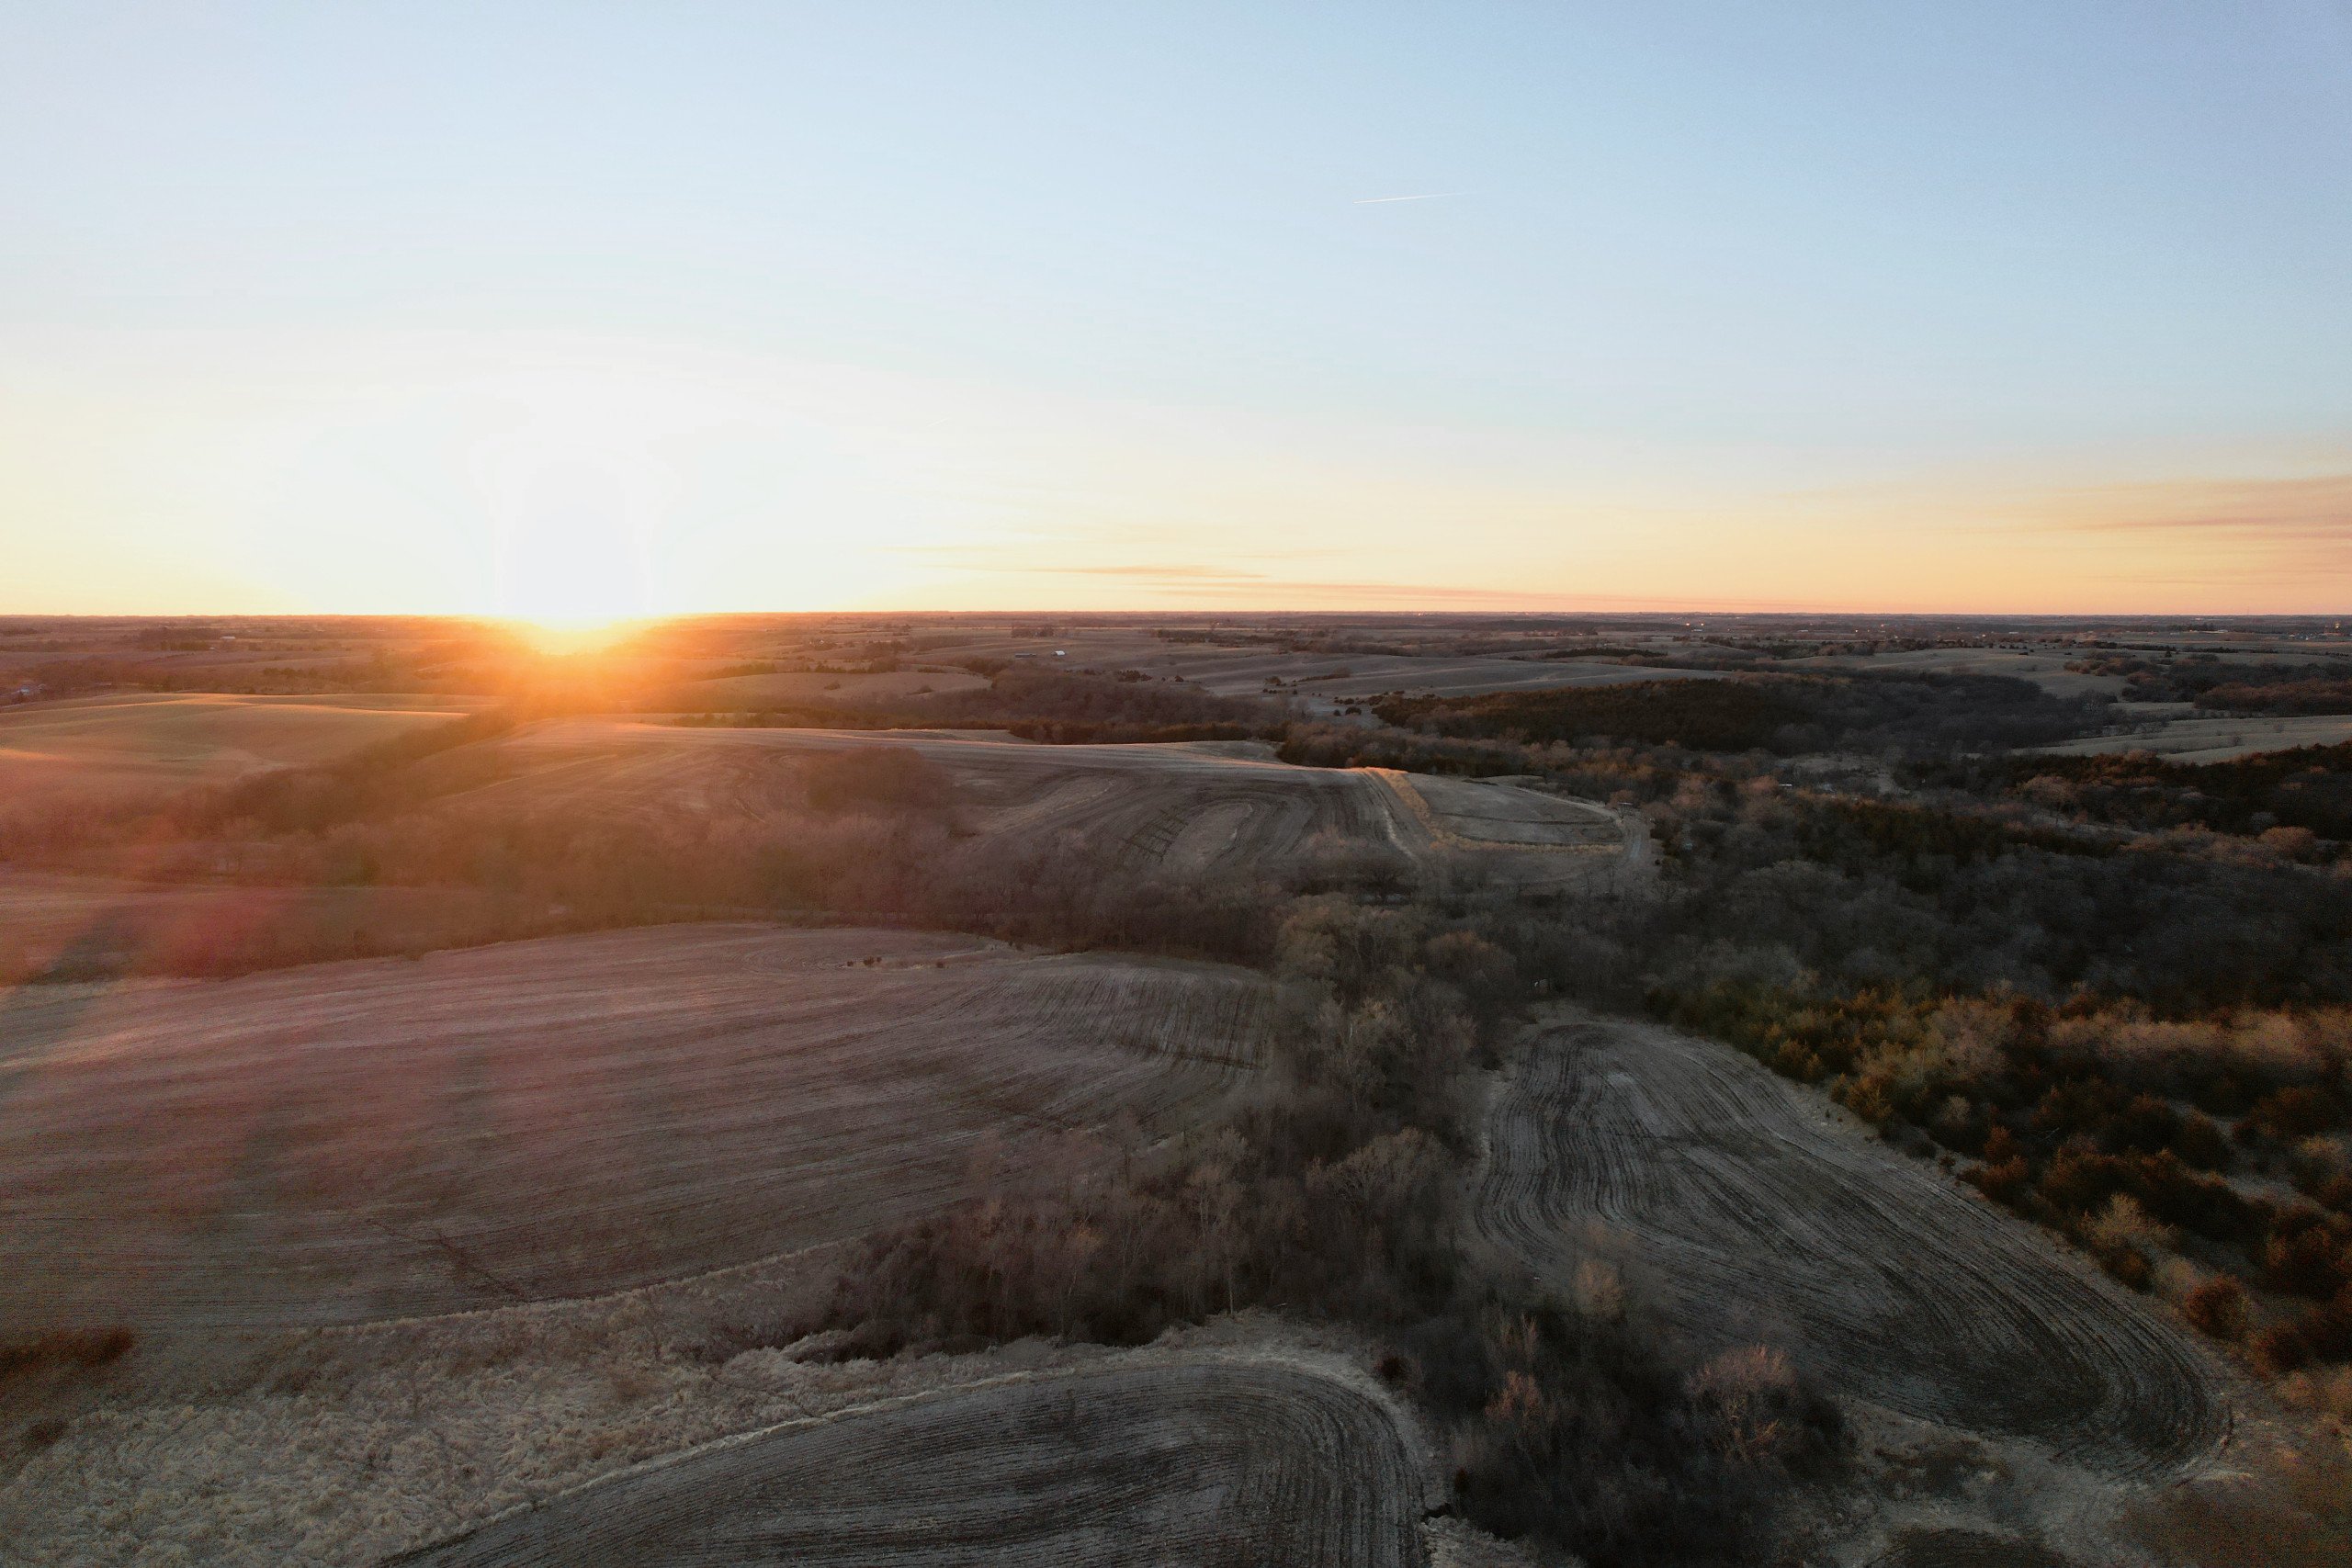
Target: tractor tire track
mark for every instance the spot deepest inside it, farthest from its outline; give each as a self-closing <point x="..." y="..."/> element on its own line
<point x="1756" y="1216"/>
<point x="1213" y="1463"/>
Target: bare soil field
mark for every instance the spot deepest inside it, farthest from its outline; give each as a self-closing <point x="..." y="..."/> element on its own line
<point x="2215" y="739"/>
<point x="357" y="1141"/>
<point x="1211" y="1462"/>
<point x="132" y="745"/>
<point x="1752" y="1214"/>
<point x="1192" y="808"/>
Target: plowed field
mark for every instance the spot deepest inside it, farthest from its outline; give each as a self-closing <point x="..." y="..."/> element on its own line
<point x="1188" y="808"/>
<point x="354" y="1141"/>
<point x="1209" y="1463"/>
<point x="150" y="745"/>
<point x="1754" y="1216"/>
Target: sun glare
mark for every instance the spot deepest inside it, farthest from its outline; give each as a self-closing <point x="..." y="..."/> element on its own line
<point x="587" y="632"/>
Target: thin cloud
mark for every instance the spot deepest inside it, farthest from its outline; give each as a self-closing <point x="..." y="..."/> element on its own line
<point x="1425" y="195"/>
<point x="2256" y="512"/>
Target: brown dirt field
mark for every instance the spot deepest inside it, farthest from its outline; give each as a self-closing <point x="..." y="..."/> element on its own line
<point x="1194" y="808"/>
<point x="134" y="745"/>
<point x="1752" y="1213"/>
<point x="1204" y="1463"/>
<point x="552" y="1117"/>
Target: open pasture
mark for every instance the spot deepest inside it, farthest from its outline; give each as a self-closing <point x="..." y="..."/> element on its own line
<point x="123" y="746"/>
<point x="1753" y="1216"/>
<point x="1211" y="1462"/>
<point x="551" y="1118"/>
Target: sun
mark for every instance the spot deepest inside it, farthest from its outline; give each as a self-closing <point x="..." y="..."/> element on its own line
<point x="559" y="634"/>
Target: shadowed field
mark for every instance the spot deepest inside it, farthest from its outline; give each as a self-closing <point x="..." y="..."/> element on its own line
<point x="354" y="1141"/>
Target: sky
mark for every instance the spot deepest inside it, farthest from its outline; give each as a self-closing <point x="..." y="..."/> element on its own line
<point x="583" y="311"/>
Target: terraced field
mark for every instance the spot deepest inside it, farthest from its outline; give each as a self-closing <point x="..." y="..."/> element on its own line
<point x="1224" y="1464"/>
<point x="355" y="1140"/>
<point x="1194" y="809"/>
<point x="1757" y="1217"/>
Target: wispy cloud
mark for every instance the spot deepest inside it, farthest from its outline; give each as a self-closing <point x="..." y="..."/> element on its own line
<point x="2277" y="512"/>
<point x="1165" y="573"/>
<point x="1425" y="195"/>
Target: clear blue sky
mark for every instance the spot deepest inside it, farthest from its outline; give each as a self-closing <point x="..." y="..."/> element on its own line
<point x="1921" y="306"/>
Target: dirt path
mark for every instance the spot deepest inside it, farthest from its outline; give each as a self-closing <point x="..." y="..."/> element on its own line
<point x="1225" y="1464"/>
<point x="1752" y="1213"/>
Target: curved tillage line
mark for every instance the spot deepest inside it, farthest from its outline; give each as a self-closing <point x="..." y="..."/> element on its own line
<point x="560" y="1117"/>
<point x="1756" y="1217"/>
<point x="1216" y="1462"/>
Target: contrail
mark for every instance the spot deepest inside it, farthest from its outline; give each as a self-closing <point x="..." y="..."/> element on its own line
<point x="1430" y="196"/>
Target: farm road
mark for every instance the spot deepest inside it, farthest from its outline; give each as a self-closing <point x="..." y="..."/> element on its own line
<point x="1753" y="1215"/>
<point x="1225" y="1464"/>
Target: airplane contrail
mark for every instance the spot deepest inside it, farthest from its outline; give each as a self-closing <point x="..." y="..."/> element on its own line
<point x="1427" y="196"/>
